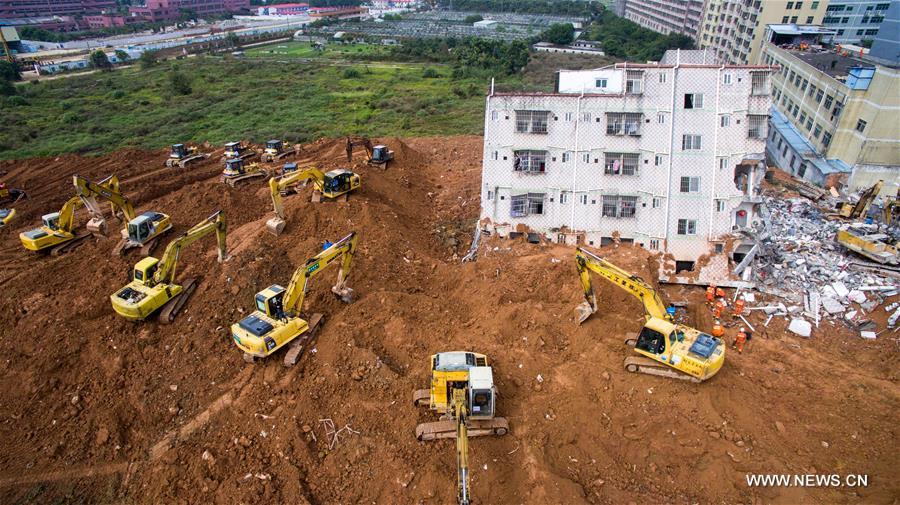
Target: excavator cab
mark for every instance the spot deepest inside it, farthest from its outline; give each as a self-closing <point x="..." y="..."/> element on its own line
<point x="274" y="146"/>
<point x="178" y="151"/>
<point x="652" y="341"/>
<point x="144" y="270"/>
<point x="234" y="166"/>
<point x="339" y="181"/>
<point x="51" y="220"/>
<point x="233" y="149"/>
<point x="380" y="153"/>
<point x="141" y="228"/>
<point x="270" y="301"/>
<point x="288" y="168"/>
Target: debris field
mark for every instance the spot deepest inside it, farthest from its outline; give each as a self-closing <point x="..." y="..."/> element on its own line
<point x="97" y="409"/>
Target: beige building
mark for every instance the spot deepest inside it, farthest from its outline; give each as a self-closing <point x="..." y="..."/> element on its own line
<point x="666" y="16"/>
<point x="843" y="107"/>
<point x="735" y="29"/>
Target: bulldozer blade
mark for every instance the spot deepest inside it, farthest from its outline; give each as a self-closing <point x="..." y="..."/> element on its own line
<point x="345" y="294"/>
<point x="275" y="226"/>
<point x="497" y="426"/>
<point x="583" y="311"/>
<point x="97" y="227"/>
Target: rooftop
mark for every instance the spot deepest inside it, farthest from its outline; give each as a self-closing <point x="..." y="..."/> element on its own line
<point x="795" y="29"/>
<point x="830" y="62"/>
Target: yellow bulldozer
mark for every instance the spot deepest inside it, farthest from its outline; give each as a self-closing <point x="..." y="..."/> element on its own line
<point x="664" y="348"/>
<point x="278" y="149"/>
<point x="238" y="150"/>
<point x="153" y="286"/>
<point x="277" y="320"/>
<point x="332" y="185"/>
<point x="462" y="390"/>
<point x="236" y="172"/>
<point x="181" y="156"/>
<point x="140" y="231"/>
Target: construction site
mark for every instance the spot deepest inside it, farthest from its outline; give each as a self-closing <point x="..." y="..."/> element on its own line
<point x="130" y="404"/>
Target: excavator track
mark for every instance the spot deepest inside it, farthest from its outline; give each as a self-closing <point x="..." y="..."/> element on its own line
<point x="170" y="310"/>
<point x="638" y="364"/>
<point x="70" y="245"/>
<point x="497" y="426"/>
<point x="422" y="398"/>
<point x="304" y="341"/>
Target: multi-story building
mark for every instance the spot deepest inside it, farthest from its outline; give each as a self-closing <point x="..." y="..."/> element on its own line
<point x="294" y="9"/>
<point x="43" y="8"/>
<point x="667" y="155"/>
<point x="667" y="16"/>
<point x="735" y="29"/>
<point x="834" y="112"/>
<point x="168" y="10"/>
<point x="856" y="20"/>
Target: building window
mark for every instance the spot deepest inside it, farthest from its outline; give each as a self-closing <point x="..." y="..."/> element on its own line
<point x="759" y="83"/>
<point x="814" y="5"/>
<point x="585" y="117"/>
<point x="490" y="195"/>
<point x="662" y="78"/>
<point x="569" y="116"/>
<point x="826" y="139"/>
<point x="690" y="184"/>
<point x="720" y="205"/>
<point x="687" y="227"/>
<point x="819" y="95"/>
<point x="793" y="19"/>
<point x="838" y="108"/>
<point x="659" y="160"/>
<point x="798" y="5"/>
<point x="601" y="83"/>
<point x="784" y="20"/>
<point x="620" y="123"/>
<point x="723" y="163"/>
<point x="690" y="142"/>
<point x="531" y="121"/>
<point x="566" y="157"/>
<point x="860" y="125"/>
<point x="583" y="199"/>
<point x="726" y="79"/>
<point x="661" y="118"/>
<point x="724" y="120"/>
<point x="803" y="86"/>
<point x="809" y="123"/>
<point x="790" y="5"/>
<point x="495" y="115"/>
<point x="654" y="244"/>
<point x="817" y="131"/>
<point x="525" y="205"/>
<point x="809" y="20"/>
<point x="495" y="155"/>
<point x="634" y="82"/>
<point x="802" y="117"/>
<point x="586" y="157"/>
<point x="621" y="163"/>
<point x="693" y="101"/>
<point x="656" y="202"/>
<point x="564" y="197"/>
<point x="530" y="161"/>
<point x="828" y="101"/>
<point x="619" y="206"/>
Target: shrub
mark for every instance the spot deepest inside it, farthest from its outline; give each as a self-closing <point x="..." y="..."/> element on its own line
<point x="100" y="61"/>
<point x="70" y="118"/>
<point x="181" y="84"/>
<point x="7" y="88"/>
<point x="149" y="59"/>
<point x="117" y="94"/>
<point x="16" y="100"/>
<point x="351" y="73"/>
<point x="430" y="73"/>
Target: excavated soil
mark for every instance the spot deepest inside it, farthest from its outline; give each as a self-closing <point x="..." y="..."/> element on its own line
<point x="96" y="409"/>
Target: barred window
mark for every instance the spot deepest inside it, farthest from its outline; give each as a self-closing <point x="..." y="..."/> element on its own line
<point x="621" y="163"/>
<point x="687" y="227"/>
<point x="619" y="206"/>
<point x="622" y="123"/>
<point x="527" y="204"/>
<point x="531" y="121"/>
<point x="535" y="203"/>
<point x="693" y="100"/>
<point x="690" y="184"/>
<point x="690" y="142"/>
<point x="530" y="161"/>
<point x="634" y="82"/>
<point x="757" y="128"/>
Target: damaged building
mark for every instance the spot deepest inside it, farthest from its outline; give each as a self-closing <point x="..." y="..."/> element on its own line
<point x="667" y="155"/>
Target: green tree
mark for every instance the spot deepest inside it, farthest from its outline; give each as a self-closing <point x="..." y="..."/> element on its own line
<point x="122" y="56"/>
<point x="562" y="34"/>
<point x="100" y="61"/>
<point x="148" y="59"/>
<point x="473" y="18"/>
<point x="7" y="88"/>
<point x="232" y="39"/>
<point x="9" y="71"/>
<point x="181" y="84"/>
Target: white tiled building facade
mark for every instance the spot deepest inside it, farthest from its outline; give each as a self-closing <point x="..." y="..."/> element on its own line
<point x="666" y="155"/>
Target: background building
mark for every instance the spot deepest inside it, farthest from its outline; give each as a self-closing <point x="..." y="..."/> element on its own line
<point x="735" y="29"/>
<point x="667" y="16"/>
<point x="666" y="155"/>
<point x="168" y="10"/>
<point x="834" y="112"/>
<point x="856" y="20"/>
<point x="294" y="9"/>
<point x="43" y="8"/>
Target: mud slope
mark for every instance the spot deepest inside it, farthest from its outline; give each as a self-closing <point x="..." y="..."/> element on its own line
<point x="100" y="410"/>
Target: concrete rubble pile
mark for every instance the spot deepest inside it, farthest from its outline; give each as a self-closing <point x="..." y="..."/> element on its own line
<point x="799" y="262"/>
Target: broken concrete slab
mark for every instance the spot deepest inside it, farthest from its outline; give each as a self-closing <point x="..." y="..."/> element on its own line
<point x="840" y="289"/>
<point x="800" y="327"/>
<point x="868" y="335"/>
<point x="832" y="306"/>
<point x="857" y="296"/>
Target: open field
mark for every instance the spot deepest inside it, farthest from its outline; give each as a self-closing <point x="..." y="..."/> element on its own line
<point x="102" y="410"/>
<point x="307" y="50"/>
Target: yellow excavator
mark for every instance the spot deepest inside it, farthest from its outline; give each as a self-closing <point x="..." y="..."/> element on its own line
<point x="277" y="149"/>
<point x="153" y="285"/>
<point x="666" y="349"/>
<point x="378" y="155"/>
<point x="238" y="150"/>
<point x="335" y="184"/>
<point x="6" y="215"/>
<point x="143" y="231"/>
<point x="277" y="320"/>
<point x="11" y="195"/>
<point x="463" y="392"/>
<point x="237" y="171"/>
<point x="858" y="210"/>
<point x="182" y="155"/>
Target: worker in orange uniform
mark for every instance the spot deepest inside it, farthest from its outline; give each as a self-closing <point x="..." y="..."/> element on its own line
<point x="719" y="308"/>
<point x="710" y="294"/>
<point x="720" y="293"/>
<point x="739" y="340"/>
<point x="739" y="306"/>
<point x="718" y="330"/>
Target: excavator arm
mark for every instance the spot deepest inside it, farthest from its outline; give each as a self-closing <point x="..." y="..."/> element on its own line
<point x="214" y="223"/>
<point x="276" y="186"/>
<point x="107" y="189"/>
<point x="296" y="291"/>
<point x="588" y="262"/>
<point x="462" y="446"/>
<point x="67" y="214"/>
<point x="865" y="200"/>
<point x="362" y="141"/>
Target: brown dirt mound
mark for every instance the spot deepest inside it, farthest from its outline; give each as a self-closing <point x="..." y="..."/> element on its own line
<point x="97" y="409"/>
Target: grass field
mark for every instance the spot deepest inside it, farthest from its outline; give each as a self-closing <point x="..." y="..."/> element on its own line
<point x="234" y="99"/>
<point x="330" y="51"/>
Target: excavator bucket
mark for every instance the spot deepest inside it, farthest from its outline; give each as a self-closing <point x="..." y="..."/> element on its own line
<point x="275" y="226"/>
<point x="345" y="294"/>
<point x="583" y="311"/>
<point x="97" y="227"/>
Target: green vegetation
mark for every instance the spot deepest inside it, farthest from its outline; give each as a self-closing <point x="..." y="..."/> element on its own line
<point x="625" y="39"/>
<point x="362" y="52"/>
<point x="560" y="7"/>
<point x="473" y="18"/>
<point x="100" y="61"/>
<point x="561" y="34"/>
<point x="9" y="72"/>
<point x="231" y="99"/>
<point x="149" y="59"/>
<point x="469" y="56"/>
